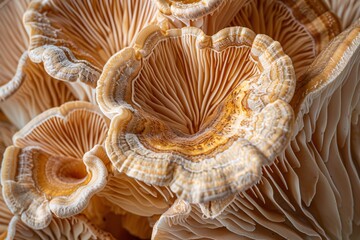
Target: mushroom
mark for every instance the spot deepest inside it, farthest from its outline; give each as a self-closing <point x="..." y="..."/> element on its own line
<point x="74" y="39"/>
<point x="187" y="105"/>
<point x="30" y="92"/>
<point x="312" y="189"/>
<point x="348" y="11"/>
<point x="56" y="164"/>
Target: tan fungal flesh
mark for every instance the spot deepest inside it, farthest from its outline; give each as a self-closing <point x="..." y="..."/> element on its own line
<point x="303" y="30"/>
<point x="14" y="40"/>
<point x="74" y="39"/>
<point x="136" y="197"/>
<point x="5" y="217"/>
<point x="195" y="118"/>
<point x="62" y="136"/>
<point x="30" y="92"/>
<point x="56" y="164"/>
<point x="188" y="9"/>
<point x="184" y="87"/>
<point x="72" y="228"/>
<point x="348" y="11"/>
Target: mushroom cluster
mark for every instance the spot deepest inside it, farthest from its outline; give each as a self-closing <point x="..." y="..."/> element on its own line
<point x="180" y="119"/>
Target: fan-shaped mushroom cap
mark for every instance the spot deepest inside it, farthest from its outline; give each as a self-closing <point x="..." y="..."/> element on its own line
<point x="56" y="164"/>
<point x="30" y="92"/>
<point x="14" y="40"/>
<point x="312" y="191"/>
<point x="188" y="105"/>
<point x="135" y="196"/>
<point x="72" y="228"/>
<point x="348" y="11"/>
<point x="74" y="39"/>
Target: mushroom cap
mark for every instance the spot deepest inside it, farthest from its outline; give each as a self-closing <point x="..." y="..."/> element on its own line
<point x="14" y="40"/>
<point x="228" y="98"/>
<point x="74" y="39"/>
<point x="312" y="190"/>
<point x="30" y="92"/>
<point x="56" y="164"/>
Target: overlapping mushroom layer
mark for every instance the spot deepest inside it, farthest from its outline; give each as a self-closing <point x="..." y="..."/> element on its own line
<point x="74" y="39"/>
<point x="312" y="189"/>
<point x="201" y="114"/>
<point x="55" y="164"/>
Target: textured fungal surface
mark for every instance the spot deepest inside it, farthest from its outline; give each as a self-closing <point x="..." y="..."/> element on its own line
<point x="72" y="228"/>
<point x="14" y="40"/>
<point x="348" y="11"/>
<point x="188" y="106"/>
<point x="179" y="119"/>
<point x="55" y="164"/>
<point x="189" y="9"/>
<point x="303" y="30"/>
<point x="74" y="39"/>
<point x="312" y="189"/>
<point x="136" y="197"/>
<point x="30" y="92"/>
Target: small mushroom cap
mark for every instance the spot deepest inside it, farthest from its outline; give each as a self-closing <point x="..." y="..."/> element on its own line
<point x="30" y="92"/>
<point x="56" y="164"/>
<point x="74" y="39"/>
<point x="185" y="122"/>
